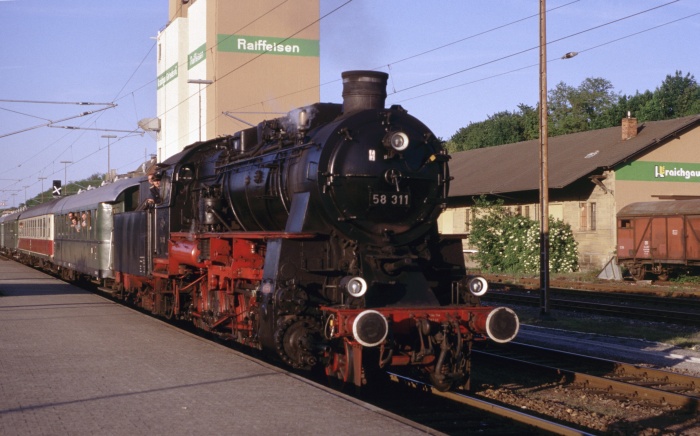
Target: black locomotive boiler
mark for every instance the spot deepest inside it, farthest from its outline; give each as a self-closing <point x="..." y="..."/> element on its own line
<point x="314" y="238"/>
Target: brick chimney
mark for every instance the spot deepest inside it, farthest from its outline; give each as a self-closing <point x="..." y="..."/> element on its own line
<point x="629" y="127"/>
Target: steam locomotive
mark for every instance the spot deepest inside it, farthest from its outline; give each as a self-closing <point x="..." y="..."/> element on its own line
<point x="312" y="237"/>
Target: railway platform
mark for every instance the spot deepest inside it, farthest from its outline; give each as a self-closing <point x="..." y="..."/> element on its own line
<point x="74" y="363"/>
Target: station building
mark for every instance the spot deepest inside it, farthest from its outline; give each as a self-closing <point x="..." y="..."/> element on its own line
<point x="225" y="65"/>
<point x="592" y="175"/>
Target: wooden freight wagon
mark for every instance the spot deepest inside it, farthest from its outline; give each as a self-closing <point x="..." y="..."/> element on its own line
<point x="659" y="238"/>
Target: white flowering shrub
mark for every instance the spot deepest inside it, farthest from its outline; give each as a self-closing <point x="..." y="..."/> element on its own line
<point x="510" y="243"/>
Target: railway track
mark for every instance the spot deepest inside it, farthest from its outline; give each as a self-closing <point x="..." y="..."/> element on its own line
<point x="463" y="413"/>
<point x="643" y="300"/>
<point x="644" y="307"/>
<point x="608" y="377"/>
<point x="668" y="398"/>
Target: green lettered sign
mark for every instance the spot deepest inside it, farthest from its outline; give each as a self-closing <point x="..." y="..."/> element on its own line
<point x="168" y="76"/>
<point x="268" y="45"/>
<point x="659" y="172"/>
<point x="197" y="56"/>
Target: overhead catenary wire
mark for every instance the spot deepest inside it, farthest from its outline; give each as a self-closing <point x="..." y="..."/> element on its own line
<point x="466" y="38"/>
<point x="254" y="59"/>
<point x="52" y="122"/>
<point x="418" y="54"/>
<point x="238" y="109"/>
<point x="617" y="20"/>
<point x="549" y="61"/>
<point x="128" y="80"/>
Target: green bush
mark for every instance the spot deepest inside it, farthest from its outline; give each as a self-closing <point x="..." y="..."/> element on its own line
<point x="510" y="243"/>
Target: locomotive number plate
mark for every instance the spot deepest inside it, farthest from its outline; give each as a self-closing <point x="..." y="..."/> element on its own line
<point x="400" y="199"/>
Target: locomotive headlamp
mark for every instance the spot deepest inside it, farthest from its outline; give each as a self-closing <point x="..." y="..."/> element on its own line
<point x="398" y="141"/>
<point x="370" y="328"/>
<point x="478" y="286"/>
<point x="355" y="286"/>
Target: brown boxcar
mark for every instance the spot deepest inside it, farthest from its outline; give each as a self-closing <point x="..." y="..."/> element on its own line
<point x="659" y="238"/>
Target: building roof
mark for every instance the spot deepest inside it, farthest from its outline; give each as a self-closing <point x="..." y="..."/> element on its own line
<point x="660" y="208"/>
<point x="515" y="167"/>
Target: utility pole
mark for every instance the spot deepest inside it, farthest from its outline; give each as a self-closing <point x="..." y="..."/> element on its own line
<point x="42" y="188"/>
<point x="544" y="169"/>
<point x="109" y="164"/>
<point x="200" y="82"/>
<point x="65" y="174"/>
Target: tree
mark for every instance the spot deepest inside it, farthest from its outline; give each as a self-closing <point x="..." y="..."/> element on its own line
<point x="632" y="104"/>
<point x="500" y="128"/>
<point x="579" y="109"/>
<point x="592" y="105"/>
<point x="678" y="96"/>
<point x="94" y="181"/>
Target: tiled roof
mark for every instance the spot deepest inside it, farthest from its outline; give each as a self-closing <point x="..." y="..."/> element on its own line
<point x="515" y="167"/>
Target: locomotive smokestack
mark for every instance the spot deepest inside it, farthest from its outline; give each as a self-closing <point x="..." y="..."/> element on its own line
<point x="363" y="90"/>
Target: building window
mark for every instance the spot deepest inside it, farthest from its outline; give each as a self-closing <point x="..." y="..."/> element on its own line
<point x="587" y="216"/>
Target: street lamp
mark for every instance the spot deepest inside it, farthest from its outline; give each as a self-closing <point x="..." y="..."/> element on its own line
<point x="109" y="164"/>
<point x="65" y="173"/>
<point x="200" y="82"/>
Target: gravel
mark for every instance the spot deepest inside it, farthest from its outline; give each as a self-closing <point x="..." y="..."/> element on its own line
<point x="586" y="408"/>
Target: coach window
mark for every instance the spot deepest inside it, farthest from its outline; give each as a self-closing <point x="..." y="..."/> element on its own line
<point x="84" y="223"/>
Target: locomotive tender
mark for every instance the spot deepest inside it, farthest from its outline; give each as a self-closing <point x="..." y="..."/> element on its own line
<point x="312" y="237"/>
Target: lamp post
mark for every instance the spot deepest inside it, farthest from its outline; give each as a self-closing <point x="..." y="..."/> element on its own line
<point x="200" y="82"/>
<point x="42" y="188"/>
<point x="65" y="173"/>
<point x="109" y="164"/>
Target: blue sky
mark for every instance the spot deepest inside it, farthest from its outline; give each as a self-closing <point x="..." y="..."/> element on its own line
<point x="101" y="52"/>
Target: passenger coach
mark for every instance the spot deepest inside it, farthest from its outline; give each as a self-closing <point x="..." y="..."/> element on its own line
<point x="83" y="228"/>
<point x="9" y="227"/>
<point x="71" y="235"/>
